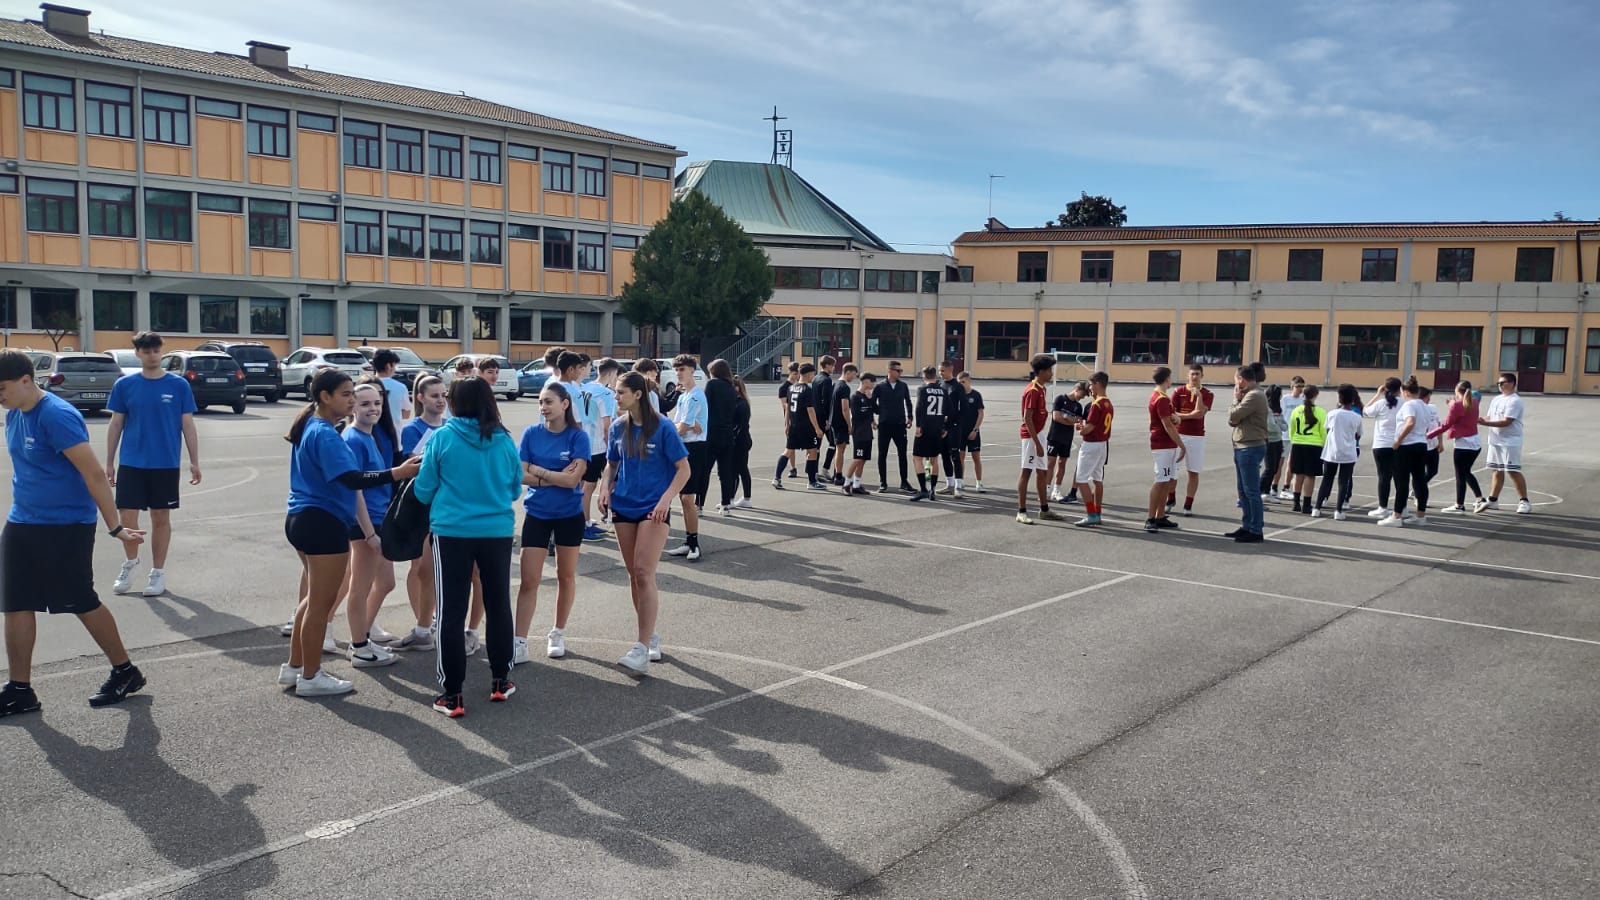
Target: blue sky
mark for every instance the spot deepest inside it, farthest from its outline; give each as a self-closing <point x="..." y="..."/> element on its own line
<point x="1186" y="111"/>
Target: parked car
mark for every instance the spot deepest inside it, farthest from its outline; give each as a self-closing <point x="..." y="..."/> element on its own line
<point x="505" y="386"/>
<point x="668" y="375"/>
<point x="411" y="365"/>
<point x="531" y="377"/>
<point x="301" y="366"/>
<point x="262" y="372"/>
<point x="80" y="378"/>
<point x="128" y="360"/>
<point x="215" y="377"/>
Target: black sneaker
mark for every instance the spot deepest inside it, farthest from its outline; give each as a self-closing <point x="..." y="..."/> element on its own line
<point x="1236" y="532"/>
<point x="920" y="495"/>
<point x="883" y="489"/>
<point x="1166" y="522"/>
<point x="1249" y="537"/>
<point x="1072" y="498"/>
<point x="500" y="689"/>
<point x="449" y="705"/>
<point x="15" y="700"/>
<point x="793" y="474"/>
<point x="838" y="480"/>
<point x="118" y="686"/>
<point x="906" y="486"/>
<point x="1151" y="526"/>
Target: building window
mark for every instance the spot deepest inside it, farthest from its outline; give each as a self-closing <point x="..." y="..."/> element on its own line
<point x="269" y="315"/>
<point x="405" y="236"/>
<point x="167" y="216"/>
<point x="8" y="184"/>
<point x="220" y="203"/>
<point x="363" y="232"/>
<point x="361" y="319"/>
<point x="267" y="131"/>
<point x="1095" y="265"/>
<point x="557" y="248"/>
<point x="621" y="330"/>
<point x="108" y="110"/>
<point x="522" y="324"/>
<point x="650" y="171"/>
<point x="527" y="154"/>
<point x="166" y="118"/>
<point x="930" y="282"/>
<point x="1032" y="265"/>
<point x="8" y="78"/>
<point x="485" y="323"/>
<point x="169" y="313"/>
<point x="8" y="307"/>
<point x="586" y="327"/>
<point x="54" y="308"/>
<point x="1369" y="347"/>
<point x="829" y="279"/>
<point x="552" y="326"/>
<point x="1003" y="340"/>
<point x="402" y="321"/>
<point x="485" y="160"/>
<point x="1233" y="265"/>
<point x="1212" y="343"/>
<point x="1072" y="337"/>
<point x="316" y="317"/>
<point x="896" y="281"/>
<point x="1543" y="349"/>
<point x="269" y="224"/>
<point x="49" y="102"/>
<point x="486" y="242"/>
<point x="1296" y="346"/>
<point x="219" y="315"/>
<point x="405" y="150"/>
<point x="890" y="338"/>
<point x="963" y="274"/>
<point x="522" y="232"/>
<point x="222" y="109"/>
<point x="557" y="171"/>
<point x="111" y="211"/>
<point x="1378" y="263"/>
<point x="363" y="144"/>
<point x="317" y="212"/>
<point x="52" y="206"/>
<point x="315" y="122"/>
<point x="1140" y="342"/>
<point x="442" y="322"/>
<point x="113" y="311"/>
<point x="1536" y="264"/>
<point x="1305" y="265"/>
<point x="624" y="167"/>
<point x="1450" y="347"/>
<point x="1164" y="265"/>
<point x="799" y="277"/>
<point x="444" y="239"/>
<point x="591" y="251"/>
<point x="444" y="155"/>
<point x="591" y="176"/>
<point x="1591" y="353"/>
<point x="1455" y="264"/>
<point x="823" y="336"/>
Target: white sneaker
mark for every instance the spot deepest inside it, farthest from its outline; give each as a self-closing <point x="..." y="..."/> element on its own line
<point x="978" y="486"/>
<point x="288" y="675"/>
<point x="473" y="642"/>
<point x="1391" y="522"/>
<point x="636" y="660"/>
<point x="1454" y="508"/>
<point x="372" y="656"/>
<point x="1316" y="512"/>
<point x="655" y="648"/>
<point x="381" y="636"/>
<point x="1055" y="496"/>
<point x="682" y="550"/>
<point x="1339" y="516"/>
<point x="287" y="628"/>
<point x="1480" y="506"/>
<point x="956" y="493"/>
<point x="745" y="503"/>
<point x="1286" y="495"/>
<point x="1418" y="521"/>
<point x="519" y="651"/>
<point x="157" y="585"/>
<point x="555" y="644"/>
<point x="1491" y="504"/>
<point x="694" y="553"/>
<point x="1379" y="513"/>
<point x="1409" y="516"/>
<point x="321" y="685"/>
<point x="1524" y="507"/>
<point x="1024" y="519"/>
<point x="727" y="511"/>
<point x="329" y="645"/>
<point x="124" y="582"/>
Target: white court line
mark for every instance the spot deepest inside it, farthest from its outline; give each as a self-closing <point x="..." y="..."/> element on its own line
<point x="254" y="474"/>
<point x="191" y="876"/>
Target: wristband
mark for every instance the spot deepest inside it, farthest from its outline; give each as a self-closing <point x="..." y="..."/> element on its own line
<point x="115" y="531"/>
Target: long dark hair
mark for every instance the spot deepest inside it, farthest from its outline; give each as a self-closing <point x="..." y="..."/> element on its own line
<point x="1391" y="391"/>
<point x="386" y="420"/>
<point x="555" y="387"/>
<point x="738" y="386"/>
<point x="719" y="368"/>
<point x="327" y="382"/>
<point x="1310" y="406"/>
<point x="1348" y="396"/>
<point x="473" y="398"/>
<point x="1275" y="398"/>
<point x="643" y="421"/>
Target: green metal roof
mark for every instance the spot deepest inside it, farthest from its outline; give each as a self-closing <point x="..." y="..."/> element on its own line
<point x="771" y="200"/>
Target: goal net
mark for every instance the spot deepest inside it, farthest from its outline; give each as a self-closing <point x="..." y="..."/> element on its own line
<point x="1074" y="367"/>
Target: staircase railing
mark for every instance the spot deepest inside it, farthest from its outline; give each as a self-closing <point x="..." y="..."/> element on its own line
<point x="763" y="339"/>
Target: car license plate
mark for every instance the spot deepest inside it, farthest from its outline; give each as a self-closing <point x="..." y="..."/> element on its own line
<point x="216" y="381"/>
<point x="95" y="395"/>
<point x="255" y="367"/>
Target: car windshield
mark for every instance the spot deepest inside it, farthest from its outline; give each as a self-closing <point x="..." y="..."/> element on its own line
<point x="81" y="364"/>
<point x="407" y="358"/>
<point x="345" y="359"/>
<point x="213" y="364"/>
<point x="535" y="366"/>
<point x="253" y="354"/>
<point x="126" y="358"/>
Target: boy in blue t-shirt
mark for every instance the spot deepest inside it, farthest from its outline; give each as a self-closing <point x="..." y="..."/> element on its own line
<point x="47" y="544"/>
<point x="151" y="411"/>
<point x="692" y="418"/>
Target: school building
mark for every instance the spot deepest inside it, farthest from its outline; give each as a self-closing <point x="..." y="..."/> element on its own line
<point x="211" y="195"/>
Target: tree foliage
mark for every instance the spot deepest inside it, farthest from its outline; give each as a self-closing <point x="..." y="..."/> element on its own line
<point x="1090" y="212"/>
<point x="696" y="271"/>
<point x="59" y="323"/>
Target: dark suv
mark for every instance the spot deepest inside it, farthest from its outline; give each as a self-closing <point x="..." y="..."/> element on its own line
<point x="410" y="368"/>
<point x="262" y="373"/>
<point x="213" y="376"/>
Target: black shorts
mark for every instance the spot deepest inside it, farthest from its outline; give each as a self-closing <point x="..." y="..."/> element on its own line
<point x="146" y="488"/>
<point x="1305" y="459"/>
<point x="838" y="436"/>
<point x="536" y="532"/>
<point x="803" y="439"/>
<point x="618" y="518"/>
<point x="1061" y="451"/>
<point x="597" y="467"/>
<point x="317" y="532"/>
<point x="861" y="446"/>
<point x="928" y="446"/>
<point x="974" y="444"/>
<point x="47" y="568"/>
<point x="700" y="462"/>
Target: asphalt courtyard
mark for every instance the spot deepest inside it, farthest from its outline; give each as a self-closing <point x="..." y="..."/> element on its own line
<point x="863" y="696"/>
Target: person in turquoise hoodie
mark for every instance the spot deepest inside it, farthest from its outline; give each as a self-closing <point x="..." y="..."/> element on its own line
<point x="471" y="476"/>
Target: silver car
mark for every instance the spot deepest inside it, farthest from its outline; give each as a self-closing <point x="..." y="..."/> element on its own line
<point x="82" y="379"/>
<point x="301" y="366"/>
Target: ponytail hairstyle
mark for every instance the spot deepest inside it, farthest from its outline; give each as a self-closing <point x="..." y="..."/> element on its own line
<point x="1425" y="394"/>
<point x="1310" y="406"/>
<point x="328" y="381"/>
<point x="1464" y="396"/>
<point x="1258" y="372"/>
<point x="418" y="389"/>
<point x="560" y="392"/>
<point x="1391" y="391"/>
<point x="643" y="420"/>
<point x="1411" y="387"/>
<point x="740" y="389"/>
<point x="473" y="398"/>
<point x="1348" y="396"/>
<point x="386" y="424"/>
<point x="1275" y="398"/>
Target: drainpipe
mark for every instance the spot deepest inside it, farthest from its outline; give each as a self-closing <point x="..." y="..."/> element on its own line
<point x="1578" y="337"/>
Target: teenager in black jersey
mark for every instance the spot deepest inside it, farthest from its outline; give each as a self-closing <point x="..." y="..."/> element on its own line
<point x="955" y="401"/>
<point x="805" y="432"/>
<point x="970" y="437"/>
<point x="822" y="397"/>
<point x="891" y="400"/>
<point x="932" y="415"/>
<point x="839" y="420"/>
<point x="861" y="404"/>
<point x="793" y="375"/>
<point x="1065" y="413"/>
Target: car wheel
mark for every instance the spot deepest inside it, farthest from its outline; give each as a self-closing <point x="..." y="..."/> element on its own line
<point x="512" y="397"/>
<point x="307" y="389"/>
<point x="200" y="407"/>
<point x="270" y="396"/>
<point x="238" y="406"/>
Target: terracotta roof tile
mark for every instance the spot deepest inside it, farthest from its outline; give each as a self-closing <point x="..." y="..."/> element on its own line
<point x="1351" y="231"/>
<point x="229" y="65"/>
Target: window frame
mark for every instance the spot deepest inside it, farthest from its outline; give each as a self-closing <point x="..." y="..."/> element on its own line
<point x="1229" y="261"/>
<point x="591" y="176"/>
<point x="1528" y="269"/>
<point x="1455" y="353"/>
<point x="260" y="305"/>
<point x="444" y="155"/>
<point x="95" y="110"/>
<point x="524" y="152"/>
<point x="1454" y="264"/>
<point x="485" y="323"/>
<point x="314" y="312"/>
<point x="1591" y="352"/>
<point x="555" y="239"/>
<point x="1096" y="266"/>
<point x="444" y="322"/>
<point x="61" y="111"/>
<point x="65" y="299"/>
<point x="121" y="211"/>
<point x="218" y="109"/>
<point x="521" y="325"/>
<point x="264" y="134"/>
<point x="357" y="314"/>
<point x="1033" y="266"/>
<point x="1150" y="339"/>
<point x="1159" y="262"/>
<point x="484" y="161"/>
<point x="165" y="219"/>
<point x="272" y="222"/>
<point x="361" y="235"/>
<point x="235" y="205"/>
<point x="651" y="170"/>
<point x="224" y="303"/>
<point x="1307" y="352"/>
<point x="889" y="338"/>
<point x="1006" y="341"/>
<point x="359" y="148"/>
<point x="456" y="249"/>
<point x="162" y="123"/>
<point x="164" y="304"/>
<point x="404" y="240"/>
<point x="556" y="171"/>
<point x="107" y="319"/>
<point x="487" y="238"/>
<point x="57" y="212"/>
<point x="1216" y="339"/>
<point x="317" y="212"/>
<point x="1352" y="347"/>
<point x="589" y="251"/>
<point x="516" y="231"/>
<point x="311" y="121"/>
<point x="1541" y="341"/>
<point x="552" y="326"/>
<point x="1379" y="261"/>
<point x="395" y="321"/>
<point x="401" y="152"/>
<point x="1303" y="263"/>
<point x="1079" y="342"/>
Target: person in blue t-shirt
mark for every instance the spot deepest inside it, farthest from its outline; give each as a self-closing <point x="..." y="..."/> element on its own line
<point x="692" y="416"/>
<point x="555" y="456"/>
<point x="47" y="544"/>
<point x="646" y="466"/>
<point x="324" y="481"/>
<point x="429" y="410"/>
<point x="370" y="436"/>
<point x="151" y="410"/>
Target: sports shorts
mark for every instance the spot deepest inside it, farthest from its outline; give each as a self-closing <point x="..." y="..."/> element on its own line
<point x="1092" y="461"/>
<point x="146" y="488"/>
<point x="597" y="467"/>
<point x="537" y="532"/>
<point x="861" y="446"/>
<point x="973" y="444"/>
<point x="1062" y="450"/>
<point x="317" y="532"/>
<point x="1503" y="458"/>
<point x="803" y="439"/>
<point x="1194" y="452"/>
<point x="928" y="446"/>
<point x="1166" y="464"/>
<point x="47" y="568"/>
<point x="618" y="518"/>
<point x="1032" y="460"/>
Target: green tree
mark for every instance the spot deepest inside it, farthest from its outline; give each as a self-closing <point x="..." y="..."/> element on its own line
<point x="57" y="324"/>
<point x="696" y="271"/>
<point x="1090" y="212"/>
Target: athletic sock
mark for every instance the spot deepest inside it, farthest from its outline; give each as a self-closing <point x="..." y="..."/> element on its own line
<point x="783" y="462"/>
<point x="1044" y="507"/>
<point x="357" y="645"/>
<point x="1188" y="503"/>
<point x="21" y="685"/>
<point x="811" y="470"/>
<point x="125" y="667"/>
<point x="692" y="539"/>
<point x="922" y="481"/>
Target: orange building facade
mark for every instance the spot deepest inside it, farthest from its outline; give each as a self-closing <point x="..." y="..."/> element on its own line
<point x="209" y="195"/>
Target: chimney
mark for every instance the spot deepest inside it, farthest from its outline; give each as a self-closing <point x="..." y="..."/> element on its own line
<point x="268" y="56"/>
<point x="65" y="20"/>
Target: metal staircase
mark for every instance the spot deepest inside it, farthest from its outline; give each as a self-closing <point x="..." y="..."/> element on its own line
<point x="764" y="339"/>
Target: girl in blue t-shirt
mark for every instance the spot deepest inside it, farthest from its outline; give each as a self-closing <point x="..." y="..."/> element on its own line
<point x="646" y="466"/>
<point x="429" y="409"/>
<point x="324" y="478"/>
<point x="555" y="455"/>
<point x="371" y="574"/>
